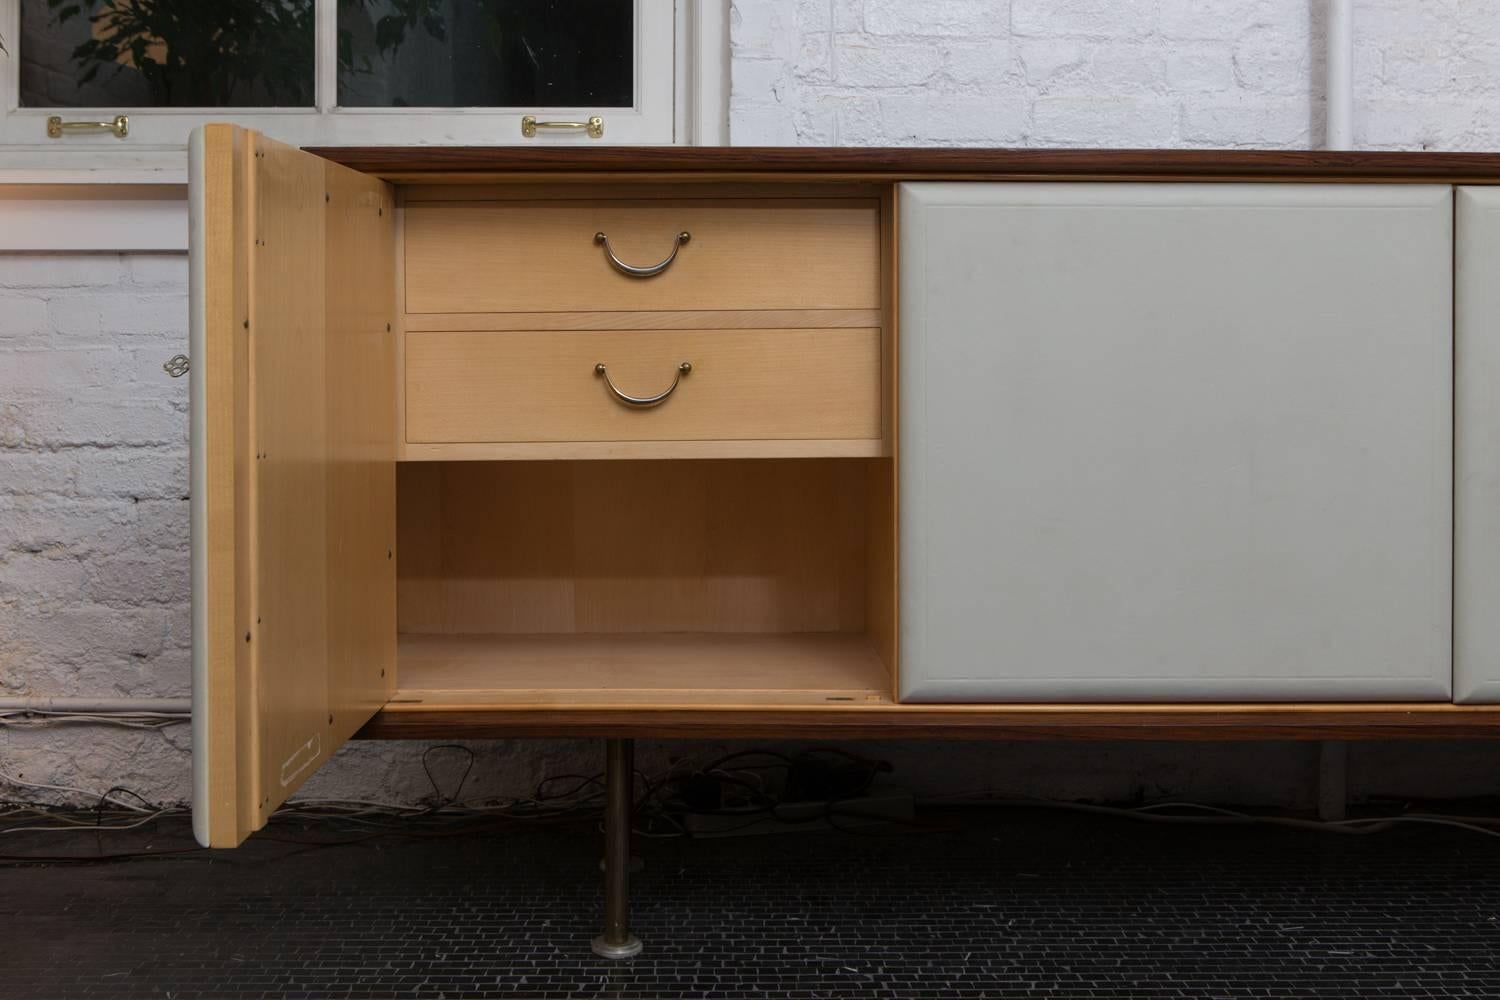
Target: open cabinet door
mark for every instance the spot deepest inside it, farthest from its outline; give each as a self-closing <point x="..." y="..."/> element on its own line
<point x="293" y="469"/>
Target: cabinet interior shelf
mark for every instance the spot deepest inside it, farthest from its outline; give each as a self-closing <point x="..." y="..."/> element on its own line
<point x="723" y="670"/>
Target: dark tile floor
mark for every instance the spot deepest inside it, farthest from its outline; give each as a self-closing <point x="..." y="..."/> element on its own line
<point x="981" y="904"/>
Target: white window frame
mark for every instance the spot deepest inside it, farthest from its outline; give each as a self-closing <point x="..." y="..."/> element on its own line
<point x="679" y="49"/>
<point x="122" y="197"/>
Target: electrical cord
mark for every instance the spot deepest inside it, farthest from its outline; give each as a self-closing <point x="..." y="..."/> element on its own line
<point x="751" y="784"/>
<point x="826" y="776"/>
<point x="85" y="828"/>
<point x="583" y="781"/>
<point x="384" y="817"/>
<point x="439" y="800"/>
<point x="309" y="814"/>
<point x="1218" y="816"/>
<point x="10" y="779"/>
<point x="446" y="815"/>
<point x="42" y="718"/>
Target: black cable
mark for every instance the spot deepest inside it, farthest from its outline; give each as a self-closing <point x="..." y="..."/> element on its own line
<point x="103" y="799"/>
<point x="437" y="792"/>
<point x="781" y="758"/>
<point x="21" y="860"/>
<point x="760" y="802"/>
<point x="440" y="820"/>
<point x="584" y="781"/>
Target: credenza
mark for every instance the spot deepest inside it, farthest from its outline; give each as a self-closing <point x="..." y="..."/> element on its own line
<point x="835" y="444"/>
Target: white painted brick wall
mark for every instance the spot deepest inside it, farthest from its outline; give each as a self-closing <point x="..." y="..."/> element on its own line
<point x="93" y="479"/>
<point x="93" y="509"/>
<point x="1108" y="73"/>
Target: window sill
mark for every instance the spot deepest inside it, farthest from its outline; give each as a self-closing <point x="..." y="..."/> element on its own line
<point x="54" y="165"/>
<point x="71" y="214"/>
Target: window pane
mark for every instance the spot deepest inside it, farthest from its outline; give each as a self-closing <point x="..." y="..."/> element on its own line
<point x="166" y="53"/>
<point x="486" y="53"/>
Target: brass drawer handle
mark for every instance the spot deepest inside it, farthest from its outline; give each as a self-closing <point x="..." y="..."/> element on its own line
<point x="594" y="126"/>
<point x="56" y="127"/>
<point x="649" y="271"/>
<point x="643" y="402"/>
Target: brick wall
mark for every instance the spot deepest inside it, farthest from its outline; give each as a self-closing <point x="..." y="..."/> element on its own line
<point x="93" y="478"/>
<point x="93" y="508"/>
<point x="1126" y="73"/>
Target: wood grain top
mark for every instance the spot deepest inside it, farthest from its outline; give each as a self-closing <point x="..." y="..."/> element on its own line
<point x="1144" y="164"/>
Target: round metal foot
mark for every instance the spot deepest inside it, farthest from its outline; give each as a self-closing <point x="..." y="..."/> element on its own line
<point x="630" y="948"/>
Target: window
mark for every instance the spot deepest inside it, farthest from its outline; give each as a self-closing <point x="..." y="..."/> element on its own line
<point x="465" y="54"/>
<point x="166" y="54"/>
<point x="337" y="72"/>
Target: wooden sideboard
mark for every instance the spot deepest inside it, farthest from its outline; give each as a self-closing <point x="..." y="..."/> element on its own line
<point x="836" y="444"/>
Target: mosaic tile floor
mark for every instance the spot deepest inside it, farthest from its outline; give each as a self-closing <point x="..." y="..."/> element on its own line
<point x="980" y="903"/>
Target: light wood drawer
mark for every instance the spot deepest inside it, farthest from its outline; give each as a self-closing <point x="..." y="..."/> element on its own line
<point x="503" y="257"/>
<point x="745" y="385"/>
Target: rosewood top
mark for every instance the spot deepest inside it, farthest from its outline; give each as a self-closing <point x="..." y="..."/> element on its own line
<point x="1141" y="164"/>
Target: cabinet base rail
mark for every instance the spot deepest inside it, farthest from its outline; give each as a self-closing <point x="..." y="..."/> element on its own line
<point x="1186" y="723"/>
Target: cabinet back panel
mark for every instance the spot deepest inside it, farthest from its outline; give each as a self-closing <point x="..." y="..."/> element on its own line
<point x="644" y="546"/>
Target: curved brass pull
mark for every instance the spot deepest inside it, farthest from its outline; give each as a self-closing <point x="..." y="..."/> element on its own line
<point x="643" y="402"/>
<point x="642" y="272"/>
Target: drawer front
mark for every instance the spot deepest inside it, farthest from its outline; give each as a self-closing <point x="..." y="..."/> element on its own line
<point x="544" y="386"/>
<point x="502" y="257"/>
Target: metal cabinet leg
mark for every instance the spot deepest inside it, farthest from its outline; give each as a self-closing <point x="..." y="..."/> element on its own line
<point x="619" y="782"/>
<point x="1333" y="780"/>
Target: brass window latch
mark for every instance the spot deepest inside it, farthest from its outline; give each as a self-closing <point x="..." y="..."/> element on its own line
<point x="56" y="127"/>
<point x="594" y="126"/>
